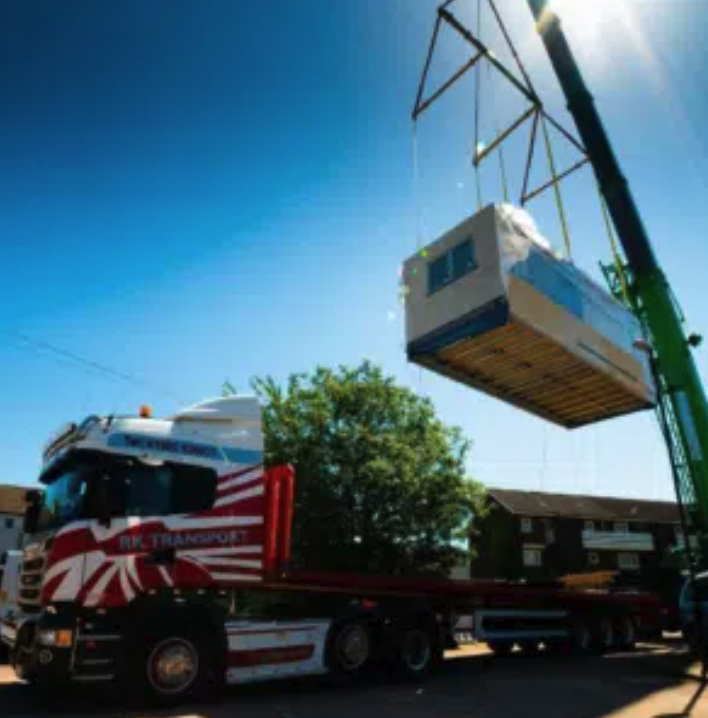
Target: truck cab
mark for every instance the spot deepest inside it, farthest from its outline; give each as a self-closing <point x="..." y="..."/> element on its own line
<point x="137" y="514"/>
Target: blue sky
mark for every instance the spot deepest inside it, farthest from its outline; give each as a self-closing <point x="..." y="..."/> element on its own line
<point x="191" y="192"/>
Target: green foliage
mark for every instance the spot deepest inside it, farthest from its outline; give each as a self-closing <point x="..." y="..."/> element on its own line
<point x="380" y="483"/>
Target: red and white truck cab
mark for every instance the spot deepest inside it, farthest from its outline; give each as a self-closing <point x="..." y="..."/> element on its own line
<point x="144" y="529"/>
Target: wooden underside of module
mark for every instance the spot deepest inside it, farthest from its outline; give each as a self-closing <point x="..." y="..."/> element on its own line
<point x="529" y="370"/>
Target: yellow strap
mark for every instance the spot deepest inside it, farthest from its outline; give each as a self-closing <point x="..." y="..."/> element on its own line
<point x="556" y="188"/>
<point x="613" y="246"/>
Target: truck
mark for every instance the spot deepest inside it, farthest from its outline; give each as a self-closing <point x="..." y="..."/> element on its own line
<point x="158" y="557"/>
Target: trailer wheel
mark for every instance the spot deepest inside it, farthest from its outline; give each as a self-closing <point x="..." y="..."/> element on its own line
<point x="417" y="653"/>
<point x="625" y="633"/>
<point x="350" y="648"/>
<point x="605" y="640"/>
<point x="581" y="640"/>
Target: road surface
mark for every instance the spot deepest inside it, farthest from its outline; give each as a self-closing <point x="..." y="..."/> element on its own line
<point x="651" y="683"/>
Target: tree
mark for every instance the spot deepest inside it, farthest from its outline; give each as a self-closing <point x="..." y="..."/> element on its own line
<point x="380" y="483"/>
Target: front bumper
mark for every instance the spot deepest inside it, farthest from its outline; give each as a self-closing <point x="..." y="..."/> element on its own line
<point x="31" y="660"/>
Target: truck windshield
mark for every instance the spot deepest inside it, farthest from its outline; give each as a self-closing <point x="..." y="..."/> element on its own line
<point x="64" y="497"/>
<point x="99" y="486"/>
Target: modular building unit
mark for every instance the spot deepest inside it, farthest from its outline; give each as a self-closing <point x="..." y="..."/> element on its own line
<point x="490" y="305"/>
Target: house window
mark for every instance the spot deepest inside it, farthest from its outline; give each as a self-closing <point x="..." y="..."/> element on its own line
<point x="593" y="558"/>
<point x="526" y="526"/>
<point x="621" y="527"/>
<point x="590" y="526"/>
<point x="628" y="561"/>
<point x="9" y="523"/>
<point x="532" y="557"/>
<point x="678" y="534"/>
<point x="454" y="264"/>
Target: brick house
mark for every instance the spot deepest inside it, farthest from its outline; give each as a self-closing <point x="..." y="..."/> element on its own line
<point x="543" y="536"/>
<point x="12" y="508"/>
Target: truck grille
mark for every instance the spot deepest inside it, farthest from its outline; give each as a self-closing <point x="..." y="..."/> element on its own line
<point x="31" y="581"/>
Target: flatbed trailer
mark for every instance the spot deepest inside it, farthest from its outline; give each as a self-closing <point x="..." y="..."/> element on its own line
<point x="504" y="613"/>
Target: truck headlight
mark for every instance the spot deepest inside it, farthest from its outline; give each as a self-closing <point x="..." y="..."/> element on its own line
<point x="57" y="638"/>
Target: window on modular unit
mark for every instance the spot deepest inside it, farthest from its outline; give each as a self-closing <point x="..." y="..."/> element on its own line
<point x="463" y="259"/>
<point x="589" y="526"/>
<point x="526" y="526"/>
<point x="593" y="558"/>
<point x="439" y="274"/>
<point x="628" y="561"/>
<point x="454" y="264"/>
<point x="532" y="557"/>
<point x="621" y="527"/>
<point x="9" y="523"/>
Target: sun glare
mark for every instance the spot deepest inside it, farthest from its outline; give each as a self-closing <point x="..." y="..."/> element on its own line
<point x="603" y="31"/>
<point x="588" y="20"/>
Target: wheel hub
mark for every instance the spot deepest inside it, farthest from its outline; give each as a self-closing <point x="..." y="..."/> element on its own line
<point x="173" y="666"/>
<point x="354" y="648"/>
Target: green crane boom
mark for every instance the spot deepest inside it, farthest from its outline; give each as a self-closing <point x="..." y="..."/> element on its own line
<point x="683" y="408"/>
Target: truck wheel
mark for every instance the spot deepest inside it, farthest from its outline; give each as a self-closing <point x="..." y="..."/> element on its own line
<point x="350" y="648"/>
<point x="581" y="640"/>
<point x="173" y="666"/>
<point x="625" y="634"/>
<point x="500" y="648"/>
<point x="417" y="652"/>
<point x="605" y="638"/>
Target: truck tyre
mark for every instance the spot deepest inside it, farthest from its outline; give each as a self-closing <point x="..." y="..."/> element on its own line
<point x="171" y="666"/>
<point x="581" y="640"/>
<point x="605" y="636"/>
<point x="417" y="653"/>
<point x="625" y="633"/>
<point x="500" y="648"/>
<point x="349" y="648"/>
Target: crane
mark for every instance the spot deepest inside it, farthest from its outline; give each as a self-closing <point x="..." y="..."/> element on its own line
<point x="682" y="408"/>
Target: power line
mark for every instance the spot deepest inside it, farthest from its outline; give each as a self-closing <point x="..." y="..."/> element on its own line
<point x="90" y="364"/>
